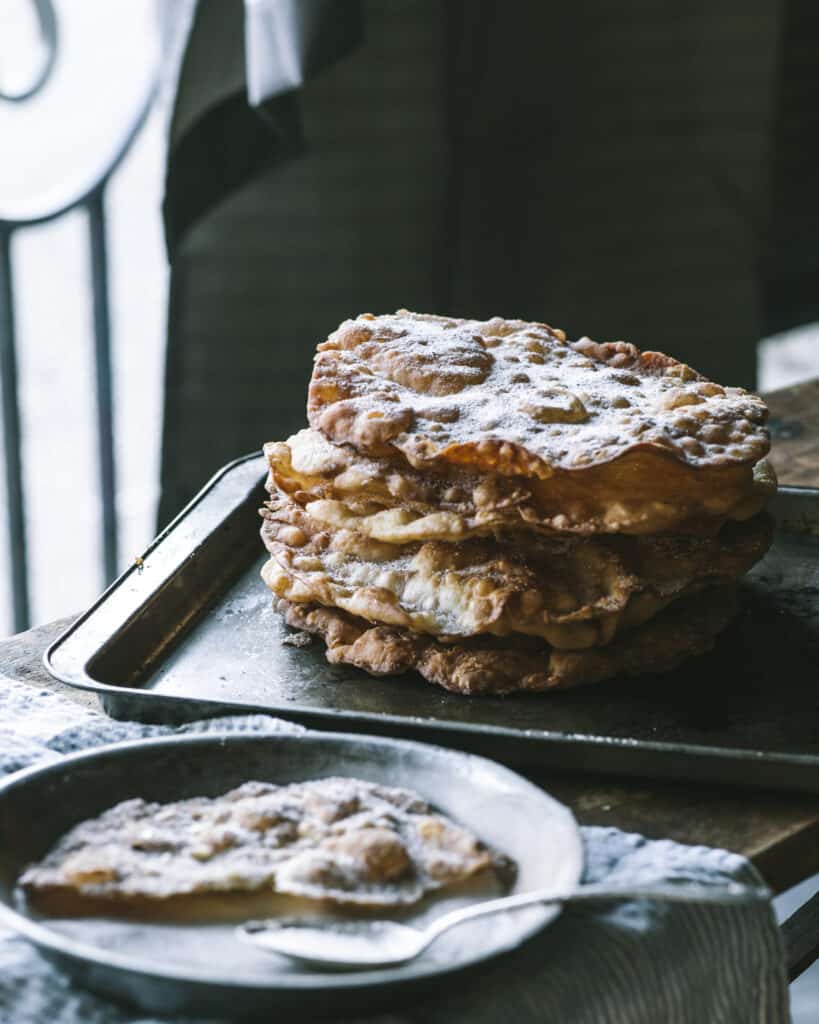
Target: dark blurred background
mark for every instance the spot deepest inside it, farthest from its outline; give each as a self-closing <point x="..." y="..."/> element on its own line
<point x="642" y="170"/>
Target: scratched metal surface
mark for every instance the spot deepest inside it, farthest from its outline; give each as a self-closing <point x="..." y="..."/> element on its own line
<point x="747" y="713"/>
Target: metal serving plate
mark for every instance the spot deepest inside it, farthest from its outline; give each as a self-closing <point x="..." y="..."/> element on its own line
<point x="190" y="630"/>
<point x="203" y="968"/>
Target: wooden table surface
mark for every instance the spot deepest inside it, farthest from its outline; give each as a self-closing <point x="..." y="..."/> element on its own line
<point x="778" y="832"/>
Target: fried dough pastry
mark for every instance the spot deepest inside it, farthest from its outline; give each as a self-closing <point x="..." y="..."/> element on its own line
<point x="338" y="839"/>
<point x="573" y="593"/>
<point x="396" y="503"/>
<point x="598" y="424"/>
<point x="493" y="666"/>
<point x="502" y="509"/>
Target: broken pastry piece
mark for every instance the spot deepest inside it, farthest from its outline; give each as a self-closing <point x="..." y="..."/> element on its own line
<point x="473" y="491"/>
<point x="337" y="840"/>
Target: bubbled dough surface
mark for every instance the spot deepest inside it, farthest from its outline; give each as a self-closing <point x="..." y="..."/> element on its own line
<point x="397" y="503"/>
<point x="493" y="666"/>
<point x="338" y="839"/>
<point x="572" y="592"/>
<point x="518" y="398"/>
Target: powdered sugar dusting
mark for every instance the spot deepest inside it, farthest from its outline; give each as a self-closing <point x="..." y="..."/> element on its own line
<point x="518" y="397"/>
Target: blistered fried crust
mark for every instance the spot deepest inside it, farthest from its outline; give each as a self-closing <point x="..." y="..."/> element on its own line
<point x="573" y="593"/>
<point x="338" y="839"/>
<point x="490" y="666"/>
<point x="396" y="503"/>
<point x="517" y="398"/>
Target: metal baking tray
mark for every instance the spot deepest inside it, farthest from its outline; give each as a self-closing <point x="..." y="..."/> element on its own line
<point x="188" y="631"/>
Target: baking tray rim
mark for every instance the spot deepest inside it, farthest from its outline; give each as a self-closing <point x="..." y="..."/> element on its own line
<point x="81" y="680"/>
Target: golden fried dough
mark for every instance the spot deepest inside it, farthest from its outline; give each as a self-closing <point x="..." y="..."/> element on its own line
<point x="516" y="398"/>
<point x="493" y="666"/>
<point x="338" y="839"/>
<point x="502" y="509"/>
<point x="572" y="592"/>
<point x="396" y="503"/>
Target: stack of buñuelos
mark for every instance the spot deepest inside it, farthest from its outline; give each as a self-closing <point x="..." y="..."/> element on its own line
<point x="501" y="509"/>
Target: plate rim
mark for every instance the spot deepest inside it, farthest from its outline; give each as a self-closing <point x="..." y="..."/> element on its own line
<point x="55" y="943"/>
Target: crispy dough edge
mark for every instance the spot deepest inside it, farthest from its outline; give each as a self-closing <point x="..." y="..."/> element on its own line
<point x="688" y="627"/>
<point x="332" y="405"/>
